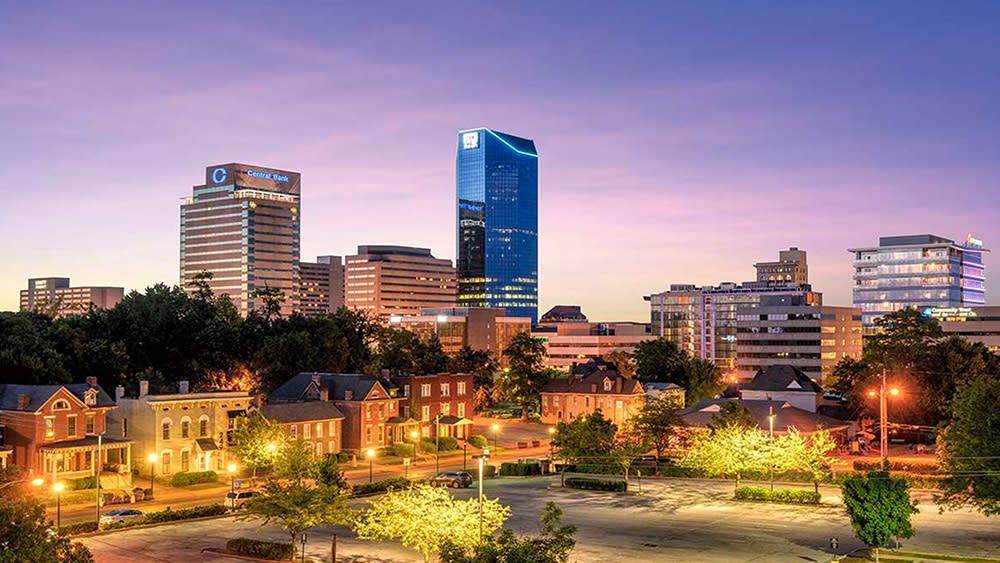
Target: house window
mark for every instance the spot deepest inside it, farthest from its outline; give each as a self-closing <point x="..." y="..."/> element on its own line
<point x="60" y="405"/>
<point x="203" y="427"/>
<point x="618" y="404"/>
<point x="445" y="390"/>
<point x="425" y="389"/>
<point x="166" y="430"/>
<point x="306" y="431"/>
<point x="425" y="413"/>
<point x="319" y="448"/>
<point x="406" y="390"/>
<point x="368" y="412"/>
<point x="381" y="410"/>
<point x="319" y="429"/>
<point x="331" y="447"/>
<point x="185" y="461"/>
<point x="71" y="425"/>
<point x="574" y="401"/>
<point x="368" y="433"/>
<point x="445" y="408"/>
<point x="165" y="468"/>
<point x="461" y="410"/>
<point x="90" y="424"/>
<point x="460" y="387"/>
<point x="185" y="433"/>
<point x="607" y="385"/>
<point x="332" y="430"/>
<point x="586" y="402"/>
<point x="50" y="427"/>
<point x="381" y="433"/>
<point x="295" y="431"/>
<point x="555" y="400"/>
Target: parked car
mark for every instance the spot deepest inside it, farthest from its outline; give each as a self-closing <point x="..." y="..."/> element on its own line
<point x="453" y="479"/>
<point x="120" y="515"/>
<point x="239" y="499"/>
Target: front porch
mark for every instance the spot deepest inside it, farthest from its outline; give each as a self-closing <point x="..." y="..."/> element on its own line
<point x="73" y="459"/>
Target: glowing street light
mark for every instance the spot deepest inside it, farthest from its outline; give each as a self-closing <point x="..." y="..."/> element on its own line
<point x="38" y="482"/>
<point x="271" y="448"/>
<point x="232" y="483"/>
<point x="416" y="442"/>
<point x="883" y="416"/>
<point x="152" y="467"/>
<point x="496" y="428"/>
<point x="371" y="462"/>
<point x="552" y="435"/>
<point x="58" y="488"/>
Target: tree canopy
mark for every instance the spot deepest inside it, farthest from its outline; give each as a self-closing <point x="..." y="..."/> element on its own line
<point x="24" y="535"/>
<point x="525" y="375"/>
<point x="969" y="449"/>
<point x="661" y="360"/>
<point x="553" y="545"/>
<point x="879" y="507"/>
<point x="659" y="422"/>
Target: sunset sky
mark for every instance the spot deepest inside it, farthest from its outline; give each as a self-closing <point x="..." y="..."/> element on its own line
<point x="678" y="142"/>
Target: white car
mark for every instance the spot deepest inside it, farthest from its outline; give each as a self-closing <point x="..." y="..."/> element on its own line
<point x="239" y="499"/>
<point x="121" y="515"/>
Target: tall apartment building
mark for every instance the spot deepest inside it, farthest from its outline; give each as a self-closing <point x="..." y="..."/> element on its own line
<point x="242" y="225"/>
<point x="497" y="231"/>
<point x="397" y="280"/>
<point x="321" y="286"/>
<point x="787" y="330"/>
<point x="917" y="271"/>
<point x="479" y="328"/>
<point x="791" y="267"/>
<point x="56" y="295"/>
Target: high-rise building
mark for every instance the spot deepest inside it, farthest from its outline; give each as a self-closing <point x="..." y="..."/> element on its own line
<point x="321" y="287"/>
<point x="791" y="267"/>
<point x="242" y="226"/>
<point x="917" y="271"/>
<point x="497" y="230"/>
<point x="56" y="295"/>
<point x="476" y="327"/>
<point x="786" y="330"/>
<point x="397" y="280"/>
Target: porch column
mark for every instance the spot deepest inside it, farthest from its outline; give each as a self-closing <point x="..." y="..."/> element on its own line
<point x="93" y="463"/>
<point x="128" y="459"/>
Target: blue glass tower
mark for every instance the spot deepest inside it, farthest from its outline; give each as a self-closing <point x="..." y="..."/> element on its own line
<point x="497" y="220"/>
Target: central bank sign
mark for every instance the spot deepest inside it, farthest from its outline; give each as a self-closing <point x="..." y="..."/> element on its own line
<point x="220" y="175"/>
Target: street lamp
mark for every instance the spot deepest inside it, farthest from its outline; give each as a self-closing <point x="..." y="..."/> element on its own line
<point x="38" y="482"/>
<point x="232" y="483"/>
<point x="552" y="435"/>
<point x="152" y="468"/>
<point x="416" y="443"/>
<point x="371" y="462"/>
<point x="437" y="445"/>
<point x="883" y="417"/>
<point x="770" y="421"/>
<point x="496" y="428"/>
<point x="58" y="488"/>
<point x="481" y="458"/>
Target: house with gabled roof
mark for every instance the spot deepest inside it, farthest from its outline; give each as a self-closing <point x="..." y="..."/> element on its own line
<point x="786" y="417"/>
<point x="617" y="397"/>
<point x="784" y="383"/>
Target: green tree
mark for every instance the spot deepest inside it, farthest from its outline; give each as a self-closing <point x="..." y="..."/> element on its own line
<point x="427" y="518"/>
<point x="553" y="545"/>
<point x="24" y="535"/>
<point x="626" y="449"/>
<point x="270" y="300"/>
<point x="258" y="441"/>
<point x="660" y="360"/>
<point x="879" y="506"/>
<point x="624" y="363"/>
<point x="969" y="449"/>
<point x="658" y="420"/>
<point x="702" y="380"/>
<point x="807" y="454"/>
<point x="733" y="412"/>
<point x="525" y="375"/>
<point x="429" y="357"/>
<point x="729" y="450"/>
<point x="328" y="472"/>
<point x="483" y="367"/>
<point x="586" y="439"/>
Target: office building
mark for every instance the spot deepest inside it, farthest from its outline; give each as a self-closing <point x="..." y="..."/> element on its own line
<point x="242" y="226"/>
<point x="321" y="286"/>
<point x="975" y="324"/>
<point x="442" y="403"/>
<point x="569" y="340"/>
<point x="56" y="296"/>
<point x="497" y="230"/>
<point x="787" y="330"/>
<point x="617" y="398"/>
<point x="791" y="267"/>
<point x="562" y="314"/>
<point x="917" y="271"/>
<point x="397" y="280"/>
<point x="479" y="328"/>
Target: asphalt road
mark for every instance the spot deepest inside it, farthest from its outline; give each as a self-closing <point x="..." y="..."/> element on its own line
<point x="673" y="521"/>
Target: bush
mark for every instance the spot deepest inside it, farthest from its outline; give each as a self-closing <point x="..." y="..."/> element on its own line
<point x="78" y="528"/>
<point x="589" y="484"/>
<point x="83" y="483"/>
<point x="478" y="441"/>
<point x="596" y="469"/>
<point x="520" y="469"/>
<point x="681" y="472"/>
<point x="428" y="446"/>
<point x="447" y="443"/>
<point x="171" y="515"/>
<point x="784" y="496"/>
<point x="193" y="478"/>
<point x="263" y="549"/>
<point x="343" y="457"/>
<point x="380" y="486"/>
<point x="488" y="471"/>
<point x="402" y="450"/>
<point x="919" y="468"/>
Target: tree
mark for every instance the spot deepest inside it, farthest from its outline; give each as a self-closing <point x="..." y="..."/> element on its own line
<point x="24" y="535"/>
<point x="879" y="507"/>
<point x="660" y="360"/>
<point x="589" y="438"/>
<point x="807" y="454"/>
<point x="257" y="441"/>
<point x="702" y="380"/>
<point x="729" y="450"/>
<point x="482" y="366"/>
<point x="328" y="472"/>
<point x="969" y="449"/>
<point x="733" y="413"/>
<point x="658" y="420"/>
<point x="427" y="518"/>
<point x="270" y="299"/>
<point x="626" y="449"/>
<point x="525" y="375"/>
<point x="624" y="363"/>
<point x="554" y="545"/>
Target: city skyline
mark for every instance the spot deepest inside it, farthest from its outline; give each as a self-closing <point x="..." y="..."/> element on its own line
<point x="681" y="156"/>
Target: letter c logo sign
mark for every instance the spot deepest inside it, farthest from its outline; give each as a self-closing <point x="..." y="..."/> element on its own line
<point x="219" y="175"/>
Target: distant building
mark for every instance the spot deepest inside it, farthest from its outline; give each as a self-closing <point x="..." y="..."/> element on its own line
<point x="571" y="342"/>
<point x="786" y="417"/>
<point x="318" y="423"/>
<point x="479" y="328"/>
<point x="442" y="401"/>
<point x="398" y="280"/>
<point x="787" y="329"/>
<point x="497" y="221"/>
<point x="321" y="288"/>
<point x="917" y="271"/>
<point x="56" y="295"/>
<point x="617" y="398"/>
<point x="563" y="314"/>
<point x="975" y="324"/>
<point x="791" y="267"/>
<point x="242" y="226"/>
<point x="670" y="392"/>
<point x="784" y="383"/>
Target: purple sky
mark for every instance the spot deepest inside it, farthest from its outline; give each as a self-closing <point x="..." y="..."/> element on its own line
<point x="678" y="144"/>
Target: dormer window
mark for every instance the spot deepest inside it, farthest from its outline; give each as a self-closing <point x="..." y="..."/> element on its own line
<point x="607" y="385"/>
<point x="60" y="405"/>
<point x="90" y="397"/>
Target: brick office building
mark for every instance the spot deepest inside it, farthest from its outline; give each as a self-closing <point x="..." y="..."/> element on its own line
<point x="617" y="397"/>
<point x="319" y="423"/>
<point x="449" y="396"/>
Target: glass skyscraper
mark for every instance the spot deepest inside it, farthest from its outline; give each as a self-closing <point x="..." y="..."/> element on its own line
<point x="497" y="222"/>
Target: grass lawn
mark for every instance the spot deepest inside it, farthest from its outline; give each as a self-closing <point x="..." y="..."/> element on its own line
<point x="891" y="556"/>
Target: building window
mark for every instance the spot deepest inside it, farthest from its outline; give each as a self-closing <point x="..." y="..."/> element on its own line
<point x="586" y="402"/>
<point x="166" y="430"/>
<point x="331" y="447"/>
<point x="71" y="426"/>
<point x="368" y="412"/>
<point x="185" y="461"/>
<point x="381" y="433"/>
<point x="460" y="388"/>
<point x="425" y="413"/>
<point x="381" y="410"/>
<point x="185" y="433"/>
<point x="165" y="466"/>
<point x="445" y="390"/>
<point x="50" y="427"/>
<point x="60" y="405"/>
<point x="368" y="433"/>
<point x="425" y="389"/>
<point x="607" y="385"/>
<point x="306" y="431"/>
<point x="295" y="431"/>
<point x="203" y="427"/>
<point x="319" y="448"/>
<point x="319" y="429"/>
<point x="461" y="410"/>
<point x="332" y="430"/>
<point x="406" y="390"/>
<point x="90" y="424"/>
<point x="445" y="408"/>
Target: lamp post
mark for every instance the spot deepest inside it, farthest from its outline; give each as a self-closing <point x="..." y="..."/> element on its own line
<point x="482" y="459"/>
<point x="552" y="435"/>
<point x="437" y="445"/>
<point x="58" y="488"/>
<point x="152" y="468"/>
<point x="416" y="442"/>
<point x="371" y="466"/>
<point x="883" y="417"/>
<point x="770" y="423"/>
<point x="232" y="484"/>
<point x="496" y="428"/>
<point x="97" y="471"/>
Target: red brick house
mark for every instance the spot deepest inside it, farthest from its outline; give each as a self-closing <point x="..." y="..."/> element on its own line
<point x="443" y="399"/>
<point x="52" y="430"/>
<point x="319" y="423"/>
<point x="617" y="397"/>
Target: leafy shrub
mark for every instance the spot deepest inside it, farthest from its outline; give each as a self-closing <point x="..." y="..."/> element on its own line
<point x="919" y="468"/>
<point x="82" y="484"/>
<point x="343" y="457"/>
<point x="478" y="441"/>
<point x="193" y="478"/>
<point x="520" y="469"/>
<point x="428" y="446"/>
<point x="78" y="528"/>
<point x="263" y="549"/>
<point x="681" y="472"/>
<point x="589" y="484"/>
<point x="171" y="515"/>
<point x="402" y="450"/>
<point x="447" y="443"/>
<point x="380" y="486"/>
<point x="597" y="469"/>
<point x="488" y="471"/>
<point x="926" y="482"/>
<point x="784" y="496"/>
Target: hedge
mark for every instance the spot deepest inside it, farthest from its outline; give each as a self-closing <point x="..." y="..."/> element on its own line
<point x="784" y="496"/>
<point x="343" y="457"/>
<point x="902" y="466"/>
<point x="589" y="484"/>
<point x="380" y="486"/>
<point x="447" y="443"/>
<point x="171" y="515"/>
<point x="82" y="483"/>
<point x="193" y="478"/>
<point x="488" y="471"/>
<point x="682" y="472"/>
<point x="402" y="450"/>
<point x="519" y="469"/>
<point x="478" y="441"/>
<point x="264" y="549"/>
<point x="596" y="468"/>
<point x="78" y="528"/>
<point x="428" y="446"/>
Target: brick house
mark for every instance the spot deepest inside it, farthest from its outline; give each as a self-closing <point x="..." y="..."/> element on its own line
<point x="617" y="397"/>
<point x="52" y="430"/>
<point x="449" y="396"/>
<point x="319" y="423"/>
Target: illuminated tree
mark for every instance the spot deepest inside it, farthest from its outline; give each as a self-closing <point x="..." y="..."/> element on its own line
<point x="659" y="421"/>
<point x="879" y="507"/>
<point x="427" y="518"/>
<point x="807" y="454"/>
<point x="729" y="450"/>
<point x="24" y="535"/>
<point x="553" y="545"/>
<point x="253" y="439"/>
<point x="969" y="448"/>
<point x="587" y="438"/>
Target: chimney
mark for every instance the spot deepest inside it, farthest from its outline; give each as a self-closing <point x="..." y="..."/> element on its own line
<point x="23" y="401"/>
<point x="143" y="388"/>
<point x="385" y="374"/>
<point x="316" y="378"/>
<point x="182" y="387"/>
<point x="324" y="394"/>
<point x="91" y="381"/>
<point x="119" y="393"/>
<point x="348" y="395"/>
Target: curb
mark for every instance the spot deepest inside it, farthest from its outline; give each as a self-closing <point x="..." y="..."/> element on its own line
<point x="223" y="553"/>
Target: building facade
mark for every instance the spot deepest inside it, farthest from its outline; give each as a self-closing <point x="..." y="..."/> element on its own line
<point x="185" y="431"/>
<point x="57" y="296"/>
<point x="242" y="226"/>
<point x="398" y="280"/>
<point x="975" y="324"/>
<point x="497" y="222"/>
<point x="318" y="423"/>
<point x="479" y="328"/>
<point x="786" y="329"/>
<point x="617" y="398"/>
<point x="442" y="401"/>
<point x="791" y="267"/>
<point x="572" y="342"/>
<point x="321" y="286"/>
<point x="917" y="271"/>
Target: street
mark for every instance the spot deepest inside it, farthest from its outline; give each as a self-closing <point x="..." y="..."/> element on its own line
<point x="675" y="520"/>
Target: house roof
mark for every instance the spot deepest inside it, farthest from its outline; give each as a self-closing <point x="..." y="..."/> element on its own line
<point x="786" y="416"/>
<point x="591" y="366"/>
<point x="86" y="442"/>
<point x="39" y="394"/>
<point x="336" y="383"/>
<point x="659" y="386"/>
<point x="301" y="412"/>
<point x="782" y="378"/>
<point x="594" y="383"/>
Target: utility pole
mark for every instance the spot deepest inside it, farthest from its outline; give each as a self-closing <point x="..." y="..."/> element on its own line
<point x="883" y="422"/>
<point x="97" y="471"/>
